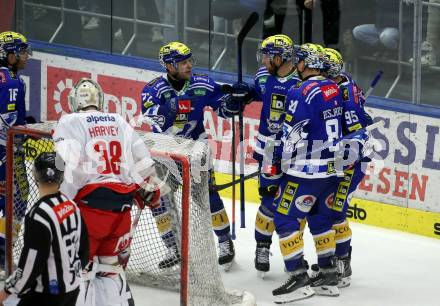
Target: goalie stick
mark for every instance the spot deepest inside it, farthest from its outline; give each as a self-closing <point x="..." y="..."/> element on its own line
<point x="256" y="173"/>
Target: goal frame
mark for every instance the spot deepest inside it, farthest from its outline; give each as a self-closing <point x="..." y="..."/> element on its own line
<point x="186" y="194"/>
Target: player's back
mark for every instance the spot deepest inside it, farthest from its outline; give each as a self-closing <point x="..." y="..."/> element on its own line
<point x="313" y="118"/>
<point x="99" y="148"/>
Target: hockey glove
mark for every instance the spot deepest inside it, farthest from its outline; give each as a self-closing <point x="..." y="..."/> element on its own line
<point x="148" y="194"/>
<point x="144" y="198"/>
<point x="242" y="92"/>
<point x="269" y="180"/>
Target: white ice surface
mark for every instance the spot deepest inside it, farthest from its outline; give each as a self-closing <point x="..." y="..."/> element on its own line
<point x="389" y="268"/>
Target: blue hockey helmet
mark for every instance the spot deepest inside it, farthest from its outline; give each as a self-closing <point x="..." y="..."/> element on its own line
<point x="333" y="61"/>
<point x="311" y="54"/>
<point x="12" y="42"/>
<point x="281" y="45"/>
<point x="173" y="53"/>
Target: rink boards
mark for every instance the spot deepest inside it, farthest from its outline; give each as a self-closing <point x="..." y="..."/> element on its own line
<point x="406" y="183"/>
<point x="360" y="210"/>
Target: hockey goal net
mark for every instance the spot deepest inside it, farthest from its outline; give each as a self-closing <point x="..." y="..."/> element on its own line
<point x="182" y="221"/>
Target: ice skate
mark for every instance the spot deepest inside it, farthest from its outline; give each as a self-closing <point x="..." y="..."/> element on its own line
<point x="226" y="254"/>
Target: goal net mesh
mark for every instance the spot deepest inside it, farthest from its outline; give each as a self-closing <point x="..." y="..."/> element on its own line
<point x="156" y="258"/>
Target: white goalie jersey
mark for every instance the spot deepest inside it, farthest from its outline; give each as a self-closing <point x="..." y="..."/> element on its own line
<point x="100" y="148"/>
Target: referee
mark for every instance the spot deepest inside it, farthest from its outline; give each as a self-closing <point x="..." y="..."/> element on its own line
<point x="55" y="247"/>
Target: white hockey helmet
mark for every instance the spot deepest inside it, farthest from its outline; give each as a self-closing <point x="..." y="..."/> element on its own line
<point x="86" y="93"/>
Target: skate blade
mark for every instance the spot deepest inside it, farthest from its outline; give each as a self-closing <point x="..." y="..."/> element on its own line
<point x="326" y="290"/>
<point x="227" y="266"/>
<point x="261" y="274"/>
<point x="344" y="282"/>
<point x="297" y="295"/>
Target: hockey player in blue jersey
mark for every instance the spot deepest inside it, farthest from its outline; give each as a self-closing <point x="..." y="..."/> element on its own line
<point x="14" y="52"/>
<point x="175" y="104"/>
<point x="313" y="117"/>
<point x="272" y="81"/>
<point x="355" y="118"/>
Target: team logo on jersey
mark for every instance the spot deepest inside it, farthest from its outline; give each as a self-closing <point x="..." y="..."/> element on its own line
<point x="262" y="80"/>
<point x="305" y="202"/>
<point x="262" y="88"/>
<point x="329" y="91"/>
<point x="345" y="95"/>
<point x="64" y="210"/>
<point x="184" y="106"/>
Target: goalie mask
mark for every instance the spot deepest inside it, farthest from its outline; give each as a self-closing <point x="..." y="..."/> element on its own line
<point x="173" y="53"/>
<point x="333" y="62"/>
<point x="84" y="94"/>
<point x="279" y="44"/>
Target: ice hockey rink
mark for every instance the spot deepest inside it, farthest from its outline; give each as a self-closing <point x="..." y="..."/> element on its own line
<point x="389" y="268"/>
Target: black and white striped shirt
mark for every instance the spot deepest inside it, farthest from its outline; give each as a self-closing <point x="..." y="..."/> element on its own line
<point x="56" y="247"/>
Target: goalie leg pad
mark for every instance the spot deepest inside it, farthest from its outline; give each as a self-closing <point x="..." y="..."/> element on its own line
<point x="342" y="238"/>
<point x="264" y="226"/>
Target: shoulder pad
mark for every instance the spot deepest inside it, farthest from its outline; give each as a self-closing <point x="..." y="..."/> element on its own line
<point x="154" y="81"/>
<point x="262" y="74"/>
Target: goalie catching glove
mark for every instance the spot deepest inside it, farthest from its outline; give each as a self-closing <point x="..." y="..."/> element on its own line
<point x="150" y="192"/>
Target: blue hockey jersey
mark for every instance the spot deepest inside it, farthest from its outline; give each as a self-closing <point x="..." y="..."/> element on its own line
<point x="313" y="120"/>
<point x="355" y="115"/>
<point x="12" y="103"/>
<point x="181" y="113"/>
<point x="272" y="91"/>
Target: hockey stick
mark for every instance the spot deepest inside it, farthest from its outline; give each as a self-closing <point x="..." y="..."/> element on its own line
<point x="256" y="173"/>
<point x="373" y="83"/>
<point x="250" y="22"/>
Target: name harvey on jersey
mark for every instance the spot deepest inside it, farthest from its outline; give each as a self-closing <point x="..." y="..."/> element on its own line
<point x="102" y="130"/>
